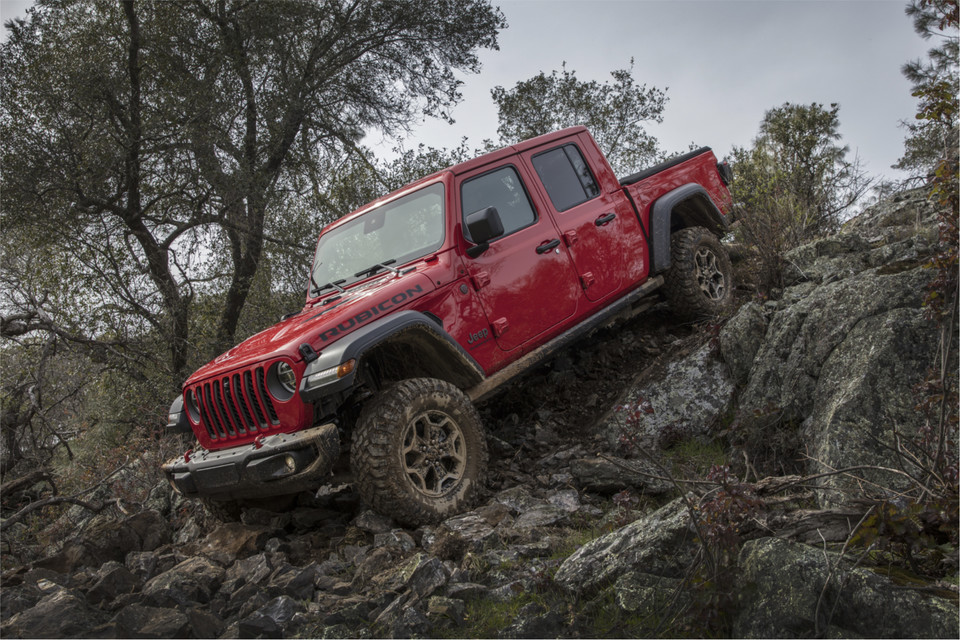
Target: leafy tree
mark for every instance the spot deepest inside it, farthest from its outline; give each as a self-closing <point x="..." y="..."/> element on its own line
<point x="797" y="152"/>
<point x="155" y="143"/>
<point x="794" y="183"/>
<point x="615" y="113"/>
<point x="933" y="136"/>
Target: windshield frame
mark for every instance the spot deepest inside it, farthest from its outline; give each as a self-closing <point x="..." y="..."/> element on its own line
<point x="346" y="277"/>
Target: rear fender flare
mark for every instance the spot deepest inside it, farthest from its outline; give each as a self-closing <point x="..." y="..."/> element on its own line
<point x="687" y="206"/>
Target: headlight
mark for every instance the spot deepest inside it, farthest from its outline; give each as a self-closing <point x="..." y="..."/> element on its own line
<point x="281" y="380"/>
<point x="286" y="377"/>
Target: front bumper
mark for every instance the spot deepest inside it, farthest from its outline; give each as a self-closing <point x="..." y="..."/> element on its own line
<point x="278" y="464"/>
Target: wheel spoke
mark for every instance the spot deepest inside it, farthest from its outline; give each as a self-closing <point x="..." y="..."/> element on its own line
<point x="433" y="453"/>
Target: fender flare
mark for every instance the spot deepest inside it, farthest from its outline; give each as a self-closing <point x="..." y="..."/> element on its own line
<point x="686" y="206"/>
<point x="457" y="365"/>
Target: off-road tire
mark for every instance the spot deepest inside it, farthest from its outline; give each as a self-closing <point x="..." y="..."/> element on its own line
<point x="419" y="454"/>
<point x="699" y="282"/>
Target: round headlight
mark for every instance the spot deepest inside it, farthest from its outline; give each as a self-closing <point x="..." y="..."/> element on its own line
<point x="286" y="377"/>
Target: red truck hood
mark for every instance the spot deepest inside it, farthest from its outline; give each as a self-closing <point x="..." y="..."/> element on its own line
<point x="321" y="324"/>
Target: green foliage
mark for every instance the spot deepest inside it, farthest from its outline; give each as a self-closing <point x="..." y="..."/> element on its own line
<point x="613" y="111"/>
<point x="932" y="136"/>
<point x="793" y="184"/>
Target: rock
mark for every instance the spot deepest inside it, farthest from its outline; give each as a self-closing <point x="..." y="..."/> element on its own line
<point x="470" y="528"/>
<point x="107" y="539"/>
<point x="782" y="595"/>
<point x="115" y="580"/>
<point x="234" y="541"/>
<point x="644" y="594"/>
<point x="446" y="610"/>
<point x="801" y="337"/>
<point x="681" y="401"/>
<point x="410" y="624"/>
<point x="659" y="543"/>
<point x="835" y="374"/>
<point x="62" y="614"/>
<point x="295" y="582"/>
<point x="533" y="622"/>
<point x="253" y="570"/>
<point x="193" y="580"/>
<point x="189" y="532"/>
<point x="567" y="500"/>
<point x="397" y="538"/>
<point x="518" y="500"/>
<point x="740" y="338"/>
<point x="142" y="564"/>
<point x="540" y="516"/>
<point x="376" y="563"/>
<point x="467" y="590"/>
<point x="204" y="624"/>
<point x="373" y="522"/>
<point x="428" y="574"/>
<point x="138" y="621"/>
<point x="269" y="620"/>
<point x="864" y="392"/>
<point x="606" y="476"/>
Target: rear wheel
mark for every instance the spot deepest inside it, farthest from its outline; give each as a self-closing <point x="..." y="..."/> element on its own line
<point x="699" y="282"/>
<point x="419" y="454"/>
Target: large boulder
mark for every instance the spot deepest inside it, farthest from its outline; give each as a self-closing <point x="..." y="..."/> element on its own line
<point x="864" y="392"/>
<point x="681" y="400"/>
<point x="61" y="614"/>
<point x="791" y="590"/>
<point x="106" y="539"/>
<point x="193" y="581"/>
<point x="660" y="543"/>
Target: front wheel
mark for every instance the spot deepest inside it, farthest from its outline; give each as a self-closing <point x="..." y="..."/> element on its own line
<point x="699" y="282"/>
<point x="419" y="454"/>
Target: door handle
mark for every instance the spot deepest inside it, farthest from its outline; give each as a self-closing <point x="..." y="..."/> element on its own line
<point x="547" y="246"/>
<point x="602" y="220"/>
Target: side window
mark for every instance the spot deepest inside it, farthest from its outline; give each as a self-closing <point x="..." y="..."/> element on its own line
<point x="501" y="189"/>
<point x="566" y="177"/>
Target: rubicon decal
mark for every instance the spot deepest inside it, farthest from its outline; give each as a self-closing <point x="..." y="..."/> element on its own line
<point x="369" y="314"/>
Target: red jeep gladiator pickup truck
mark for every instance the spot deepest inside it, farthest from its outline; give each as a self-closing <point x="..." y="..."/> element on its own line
<point x="429" y="299"/>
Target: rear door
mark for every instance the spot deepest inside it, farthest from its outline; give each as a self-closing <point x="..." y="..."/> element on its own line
<point x="525" y="280"/>
<point x="589" y="221"/>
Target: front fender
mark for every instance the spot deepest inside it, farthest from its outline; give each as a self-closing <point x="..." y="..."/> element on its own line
<point x="453" y="363"/>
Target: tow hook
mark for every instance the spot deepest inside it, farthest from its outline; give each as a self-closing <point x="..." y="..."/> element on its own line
<point x="186" y="455"/>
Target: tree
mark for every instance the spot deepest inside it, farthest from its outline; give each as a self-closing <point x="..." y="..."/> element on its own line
<point x="615" y="113"/>
<point x="137" y="134"/>
<point x="933" y="137"/>
<point x="794" y="183"/>
<point x="797" y="153"/>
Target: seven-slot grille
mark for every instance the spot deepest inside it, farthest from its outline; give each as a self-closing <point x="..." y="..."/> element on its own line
<point x="236" y="405"/>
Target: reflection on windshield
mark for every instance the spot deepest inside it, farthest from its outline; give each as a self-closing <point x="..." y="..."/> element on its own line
<point x="399" y="231"/>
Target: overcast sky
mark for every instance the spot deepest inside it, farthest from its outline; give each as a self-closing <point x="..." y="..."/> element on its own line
<point x="723" y="63"/>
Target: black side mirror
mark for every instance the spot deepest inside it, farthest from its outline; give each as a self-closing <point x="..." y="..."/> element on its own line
<point x="483" y="225"/>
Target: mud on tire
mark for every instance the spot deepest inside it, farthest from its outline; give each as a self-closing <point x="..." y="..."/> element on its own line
<point x="699" y="282"/>
<point x="419" y="453"/>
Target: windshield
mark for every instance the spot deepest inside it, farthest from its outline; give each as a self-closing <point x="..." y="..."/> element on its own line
<point x="397" y="232"/>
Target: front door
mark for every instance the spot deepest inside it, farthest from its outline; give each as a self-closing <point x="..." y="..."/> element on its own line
<point x="525" y="280"/>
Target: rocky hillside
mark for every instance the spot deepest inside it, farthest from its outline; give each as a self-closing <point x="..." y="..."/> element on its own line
<point x="653" y="480"/>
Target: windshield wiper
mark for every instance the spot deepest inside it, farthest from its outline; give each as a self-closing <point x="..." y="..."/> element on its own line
<point x="330" y="285"/>
<point x="369" y="271"/>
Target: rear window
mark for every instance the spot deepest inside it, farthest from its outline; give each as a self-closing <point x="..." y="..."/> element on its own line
<point x="566" y="177"/>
